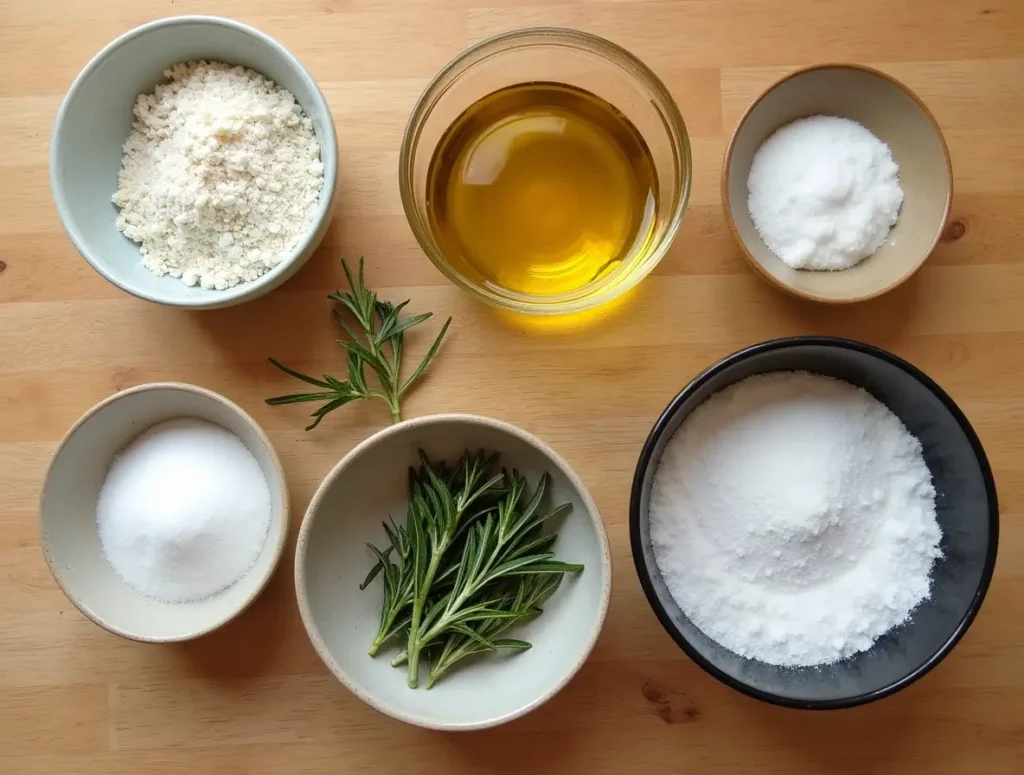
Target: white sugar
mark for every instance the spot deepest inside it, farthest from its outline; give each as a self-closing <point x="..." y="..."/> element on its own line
<point x="184" y="511"/>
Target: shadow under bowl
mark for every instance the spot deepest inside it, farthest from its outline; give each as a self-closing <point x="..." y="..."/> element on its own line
<point x="966" y="507"/>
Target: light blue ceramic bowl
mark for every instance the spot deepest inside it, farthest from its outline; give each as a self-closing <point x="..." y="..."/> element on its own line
<point x="96" y="118"/>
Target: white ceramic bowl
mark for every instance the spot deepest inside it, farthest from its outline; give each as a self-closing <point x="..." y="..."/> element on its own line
<point x="332" y="559"/>
<point x="96" y="118"/>
<point x="67" y="513"/>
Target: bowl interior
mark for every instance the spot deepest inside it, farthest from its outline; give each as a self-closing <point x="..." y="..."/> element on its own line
<point x="566" y="57"/>
<point x="68" y="516"/>
<point x="896" y="118"/>
<point x="965" y="506"/>
<point x="96" y="119"/>
<point x="332" y="560"/>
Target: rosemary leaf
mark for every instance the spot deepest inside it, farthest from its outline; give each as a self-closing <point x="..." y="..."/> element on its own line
<point x="377" y="341"/>
<point x="311" y="380"/>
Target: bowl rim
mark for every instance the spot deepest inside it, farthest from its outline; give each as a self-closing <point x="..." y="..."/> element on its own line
<point x="328" y="155"/>
<point x="277" y="549"/>
<point x="671" y="118"/>
<point x="646" y="460"/>
<point x="313" y="631"/>
<point x="727" y="165"/>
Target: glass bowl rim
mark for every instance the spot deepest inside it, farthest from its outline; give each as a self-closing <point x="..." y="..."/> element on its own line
<point x="613" y="53"/>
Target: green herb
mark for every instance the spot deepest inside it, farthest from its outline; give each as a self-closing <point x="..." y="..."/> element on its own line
<point x="470" y="562"/>
<point x="465" y="640"/>
<point x="379" y="346"/>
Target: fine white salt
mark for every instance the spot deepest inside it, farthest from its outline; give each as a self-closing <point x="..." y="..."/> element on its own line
<point x="184" y="511"/>
<point x="824" y="193"/>
<point x="792" y="518"/>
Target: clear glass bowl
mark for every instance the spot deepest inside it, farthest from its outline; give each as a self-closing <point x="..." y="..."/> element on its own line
<point x="575" y="59"/>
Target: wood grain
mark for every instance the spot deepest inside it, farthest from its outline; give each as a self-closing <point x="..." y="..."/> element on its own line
<point x="253" y="699"/>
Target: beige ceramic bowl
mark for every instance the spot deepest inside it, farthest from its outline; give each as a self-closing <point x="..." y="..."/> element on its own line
<point x="332" y="559"/>
<point x="69" y="535"/>
<point x="895" y="115"/>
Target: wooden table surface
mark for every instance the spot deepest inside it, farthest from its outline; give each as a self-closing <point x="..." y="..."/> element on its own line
<point x="253" y="698"/>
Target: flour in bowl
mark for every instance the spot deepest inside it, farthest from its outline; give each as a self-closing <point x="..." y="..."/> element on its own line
<point x="221" y="176"/>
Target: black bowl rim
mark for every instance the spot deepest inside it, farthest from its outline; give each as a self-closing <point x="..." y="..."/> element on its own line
<point x="646" y="460"/>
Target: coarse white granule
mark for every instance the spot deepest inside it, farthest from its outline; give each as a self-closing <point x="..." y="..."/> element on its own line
<point x="824" y="193"/>
<point x="221" y="175"/>
<point x="792" y="517"/>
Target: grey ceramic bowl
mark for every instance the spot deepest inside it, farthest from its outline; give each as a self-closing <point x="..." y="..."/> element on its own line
<point x="67" y="513"/>
<point x="896" y="116"/>
<point x="96" y="118"/>
<point x="966" y="507"/>
<point x="331" y="560"/>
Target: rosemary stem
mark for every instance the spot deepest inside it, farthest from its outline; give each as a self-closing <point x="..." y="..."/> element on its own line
<point x="413" y="648"/>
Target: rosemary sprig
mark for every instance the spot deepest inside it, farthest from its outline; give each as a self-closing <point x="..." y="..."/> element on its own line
<point x="471" y="561"/>
<point x="437" y="516"/>
<point x="468" y="639"/>
<point x="497" y="547"/>
<point x="467" y="481"/>
<point x="379" y="346"/>
<point x="397" y="585"/>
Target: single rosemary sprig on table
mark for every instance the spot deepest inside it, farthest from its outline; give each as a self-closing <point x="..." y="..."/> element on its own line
<point x="471" y="561"/>
<point x="379" y="346"/>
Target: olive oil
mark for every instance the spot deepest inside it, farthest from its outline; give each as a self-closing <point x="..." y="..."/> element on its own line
<point x="542" y="189"/>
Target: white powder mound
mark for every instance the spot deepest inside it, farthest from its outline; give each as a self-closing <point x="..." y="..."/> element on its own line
<point x="824" y="193"/>
<point x="221" y="176"/>
<point x="792" y="517"/>
<point x="184" y="511"/>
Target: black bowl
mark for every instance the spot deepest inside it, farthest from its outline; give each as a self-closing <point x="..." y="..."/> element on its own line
<point x="966" y="508"/>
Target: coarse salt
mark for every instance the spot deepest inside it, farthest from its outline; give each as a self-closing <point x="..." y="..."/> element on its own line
<point x="824" y="193"/>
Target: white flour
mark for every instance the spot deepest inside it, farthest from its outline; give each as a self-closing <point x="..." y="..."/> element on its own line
<point x="824" y="193"/>
<point x="793" y="519"/>
<point x="221" y="176"/>
<point x="184" y="511"/>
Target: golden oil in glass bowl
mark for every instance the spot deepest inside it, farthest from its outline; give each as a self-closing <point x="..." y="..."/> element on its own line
<point x="542" y="189"/>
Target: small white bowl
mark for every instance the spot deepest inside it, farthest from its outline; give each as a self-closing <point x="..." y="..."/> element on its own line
<point x="95" y="119"/>
<point x="67" y="514"/>
<point x="894" y="114"/>
<point x="332" y="559"/>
